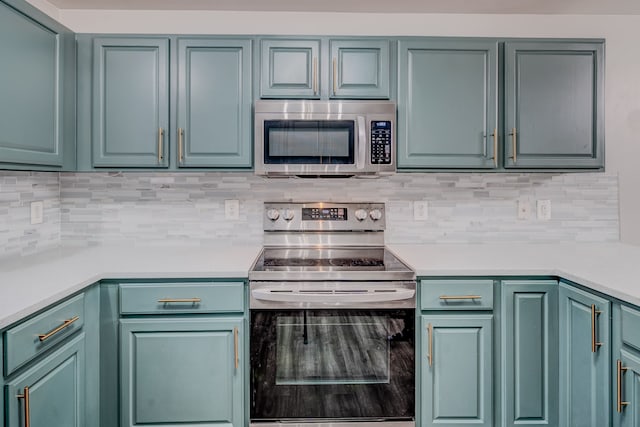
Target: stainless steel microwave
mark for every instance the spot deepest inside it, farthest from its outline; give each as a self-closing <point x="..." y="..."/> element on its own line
<point x="325" y="138"/>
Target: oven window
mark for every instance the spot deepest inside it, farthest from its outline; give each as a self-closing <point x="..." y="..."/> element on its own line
<point x="336" y="349"/>
<point x="332" y="364"/>
<point x="309" y="141"/>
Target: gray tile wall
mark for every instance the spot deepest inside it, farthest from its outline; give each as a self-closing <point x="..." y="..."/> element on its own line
<point x="17" y="191"/>
<point x="188" y="208"/>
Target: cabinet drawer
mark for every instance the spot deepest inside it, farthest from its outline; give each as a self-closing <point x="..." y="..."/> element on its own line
<point x="27" y="340"/>
<point x="631" y="327"/>
<point x="456" y="294"/>
<point x="154" y="298"/>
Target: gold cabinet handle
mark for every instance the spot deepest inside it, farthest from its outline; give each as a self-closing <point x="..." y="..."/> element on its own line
<point x="594" y="334"/>
<point x="235" y="346"/>
<point x="459" y="297"/>
<point x="65" y="324"/>
<point x="620" y="371"/>
<point x="315" y="75"/>
<point x="160" y="144"/>
<point x="179" y="300"/>
<point x="495" y="147"/>
<point x="335" y="75"/>
<point x="430" y="351"/>
<point x="27" y="410"/>
<point x="180" y="142"/>
<point x="514" y="144"/>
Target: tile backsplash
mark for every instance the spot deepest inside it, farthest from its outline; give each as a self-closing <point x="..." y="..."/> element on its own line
<point x="188" y="208"/>
<point x="17" y="190"/>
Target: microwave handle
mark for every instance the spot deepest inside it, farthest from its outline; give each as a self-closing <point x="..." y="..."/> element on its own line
<point x="362" y="143"/>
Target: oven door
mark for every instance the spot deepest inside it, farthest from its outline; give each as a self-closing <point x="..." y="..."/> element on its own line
<point x="332" y="364"/>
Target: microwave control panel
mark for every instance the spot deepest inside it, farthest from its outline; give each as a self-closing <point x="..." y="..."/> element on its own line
<point x="381" y="142"/>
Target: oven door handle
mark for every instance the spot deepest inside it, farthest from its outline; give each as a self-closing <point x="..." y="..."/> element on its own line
<point x="332" y="297"/>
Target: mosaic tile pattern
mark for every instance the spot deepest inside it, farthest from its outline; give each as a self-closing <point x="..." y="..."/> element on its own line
<point x="17" y="191"/>
<point x="188" y="208"/>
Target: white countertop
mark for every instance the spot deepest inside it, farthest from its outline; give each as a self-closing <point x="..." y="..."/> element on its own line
<point x="611" y="268"/>
<point x="31" y="283"/>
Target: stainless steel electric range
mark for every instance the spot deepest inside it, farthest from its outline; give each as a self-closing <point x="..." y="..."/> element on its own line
<point x="332" y="320"/>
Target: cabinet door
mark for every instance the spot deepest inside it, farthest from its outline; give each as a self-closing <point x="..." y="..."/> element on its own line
<point x="554" y="111"/>
<point x="585" y="356"/>
<point x="130" y="102"/>
<point x="457" y="378"/>
<point x="214" y="103"/>
<point x="55" y="390"/>
<point x="530" y="351"/>
<point x="629" y="389"/>
<point x="359" y="69"/>
<point x="447" y="104"/>
<point x="290" y="69"/>
<point x="31" y="91"/>
<point x="184" y="371"/>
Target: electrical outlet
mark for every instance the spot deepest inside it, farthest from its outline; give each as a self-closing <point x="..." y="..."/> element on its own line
<point x="231" y="209"/>
<point x="544" y="210"/>
<point x="37" y="212"/>
<point x="524" y="209"/>
<point x="420" y="210"/>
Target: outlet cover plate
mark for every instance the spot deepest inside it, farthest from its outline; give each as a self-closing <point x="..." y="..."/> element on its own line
<point x="232" y="209"/>
<point x="544" y="210"/>
<point x="420" y="210"/>
<point x="37" y="212"/>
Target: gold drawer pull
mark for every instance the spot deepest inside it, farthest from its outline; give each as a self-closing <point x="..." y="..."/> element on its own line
<point x="27" y="415"/>
<point x="458" y="297"/>
<point x="594" y="334"/>
<point x="179" y="300"/>
<point x="620" y="370"/>
<point x="65" y="324"/>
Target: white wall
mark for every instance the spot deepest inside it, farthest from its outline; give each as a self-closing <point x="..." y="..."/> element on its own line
<point x="622" y="33"/>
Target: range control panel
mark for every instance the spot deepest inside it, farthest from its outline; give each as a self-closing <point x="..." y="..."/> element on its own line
<point x="381" y="142"/>
<point x="323" y="216"/>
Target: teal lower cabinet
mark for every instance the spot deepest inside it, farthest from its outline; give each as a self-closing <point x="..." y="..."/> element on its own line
<point x="50" y="392"/>
<point x="628" y="388"/>
<point x="585" y="358"/>
<point x="457" y="374"/>
<point x="626" y="367"/>
<point x="183" y="371"/>
<point x="530" y="353"/>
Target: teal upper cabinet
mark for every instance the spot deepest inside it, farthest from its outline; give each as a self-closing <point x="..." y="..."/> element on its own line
<point x="585" y="357"/>
<point x="182" y="371"/>
<point x="359" y="69"/>
<point x="530" y="353"/>
<point x="36" y="100"/>
<point x="554" y="105"/>
<point x="54" y="389"/>
<point x="289" y="68"/>
<point x="214" y="103"/>
<point x="325" y="68"/>
<point x="130" y="102"/>
<point x="447" y="104"/>
<point x="457" y="375"/>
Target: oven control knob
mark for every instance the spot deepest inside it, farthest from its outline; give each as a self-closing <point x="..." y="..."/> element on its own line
<point x="361" y="214"/>
<point x="273" y="214"/>
<point x="288" y="214"/>
<point x="375" y="214"/>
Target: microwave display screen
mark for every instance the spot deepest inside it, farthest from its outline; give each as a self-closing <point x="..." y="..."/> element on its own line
<point x="309" y="141"/>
